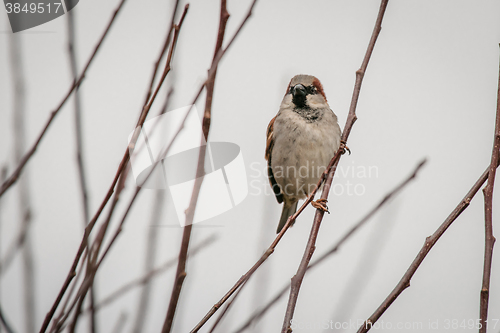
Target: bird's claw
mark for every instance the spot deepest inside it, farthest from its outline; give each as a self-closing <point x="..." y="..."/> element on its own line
<point x="321" y="204"/>
<point x="344" y="147"/>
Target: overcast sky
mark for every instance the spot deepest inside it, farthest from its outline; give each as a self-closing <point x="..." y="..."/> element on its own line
<point x="430" y="91"/>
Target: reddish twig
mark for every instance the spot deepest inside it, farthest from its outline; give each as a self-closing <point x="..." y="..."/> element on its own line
<point x="488" y="219"/>
<point x="79" y="144"/>
<point x="94" y="265"/>
<point x="181" y="264"/>
<point x="92" y="269"/>
<point x="162" y="52"/>
<point x="226" y="309"/>
<point x="351" y="118"/>
<point x="93" y="253"/>
<point x="150" y="275"/>
<point x="429" y="243"/>
<point x="123" y="163"/>
<point x="17" y="172"/>
<point x="338" y="244"/>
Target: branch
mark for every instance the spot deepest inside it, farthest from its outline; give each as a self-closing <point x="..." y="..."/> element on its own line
<point x="226" y="309"/>
<point x="162" y="52"/>
<point x="91" y="267"/>
<point x="149" y="261"/>
<point x="17" y="172"/>
<point x="429" y="243"/>
<point x="19" y="138"/>
<point x="91" y="271"/>
<point x="181" y="264"/>
<point x="79" y="143"/>
<point x="78" y="120"/>
<point x="123" y="164"/>
<point x="339" y="243"/>
<point x="488" y="219"/>
<point x="351" y="118"/>
<point x="150" y="275"/>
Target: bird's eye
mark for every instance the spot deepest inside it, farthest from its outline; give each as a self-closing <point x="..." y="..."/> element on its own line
<point x="291" y="90"/>
<point x="312" y="89"/>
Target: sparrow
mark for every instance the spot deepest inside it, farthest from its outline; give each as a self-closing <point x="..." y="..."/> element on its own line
<point x="301" y="140"/>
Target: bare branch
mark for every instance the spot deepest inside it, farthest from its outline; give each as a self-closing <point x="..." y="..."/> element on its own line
<point x="78" y="113"/>
<point x="488" y="220"/>
<point x="79" y="142"/>
<point x="351" y="118"/>
<point x="337" y="245"/>
<point x="24" y="240"/>
<point x="17" y="172"/>
<point x="98" y="242"/>
<point x="226" y="309"/>
<point x="149" y="260"/>
<point x="429" y="243"/>
<point x="121" y="167"/>
<point x="181" y="264"/>
<point x="91" y="267"/>
<point x="151" y="274"/>
<point x="162" y="52"/>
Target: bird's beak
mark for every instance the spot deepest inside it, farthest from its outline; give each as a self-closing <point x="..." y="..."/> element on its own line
<point x="299" y="91"/>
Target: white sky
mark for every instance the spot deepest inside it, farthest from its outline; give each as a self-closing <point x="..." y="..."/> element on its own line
<point x="429" y="91"/>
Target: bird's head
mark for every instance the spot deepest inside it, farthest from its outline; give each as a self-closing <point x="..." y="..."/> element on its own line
<point x="305" y="91"/>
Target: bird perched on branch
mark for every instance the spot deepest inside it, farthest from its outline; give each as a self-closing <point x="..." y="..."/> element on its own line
<point x="301" y="140"/>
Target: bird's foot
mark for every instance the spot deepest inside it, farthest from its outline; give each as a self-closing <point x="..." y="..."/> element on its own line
<point x="344" y="147"/>
<point x="320" y="204"/>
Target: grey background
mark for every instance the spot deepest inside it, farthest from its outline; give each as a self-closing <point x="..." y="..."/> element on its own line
<point x="430" y="91"/>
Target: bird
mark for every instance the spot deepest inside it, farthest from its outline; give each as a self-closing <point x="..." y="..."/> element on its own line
<point x="301" y="140"/>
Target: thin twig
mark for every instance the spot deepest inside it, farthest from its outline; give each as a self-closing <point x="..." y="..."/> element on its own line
<point x="149" y="260"/>
<point x="226" y="309"/>
<point x="79" y="143"/>
<point x="162" y="52"/>
<point x="151" y="274"/>
<point x="17" y="172"/>
<point x="24" y="241"/>
<point x="430" y="241"/>
<point x="186" y="235"/>
<point x="91" y="274"/>
<point x="78" y="116"/>
<point x="351" y="118"/>
<point x="91" y="269"/>
<point x="72" y="289"/>
<point x="338" y="244"/>
<point x="488" y="220"/>
<point x="90" y="225"/>
<point x="93" y="254"/>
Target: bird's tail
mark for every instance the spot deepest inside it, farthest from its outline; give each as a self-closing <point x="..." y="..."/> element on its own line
<point x="289" y="208"/>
